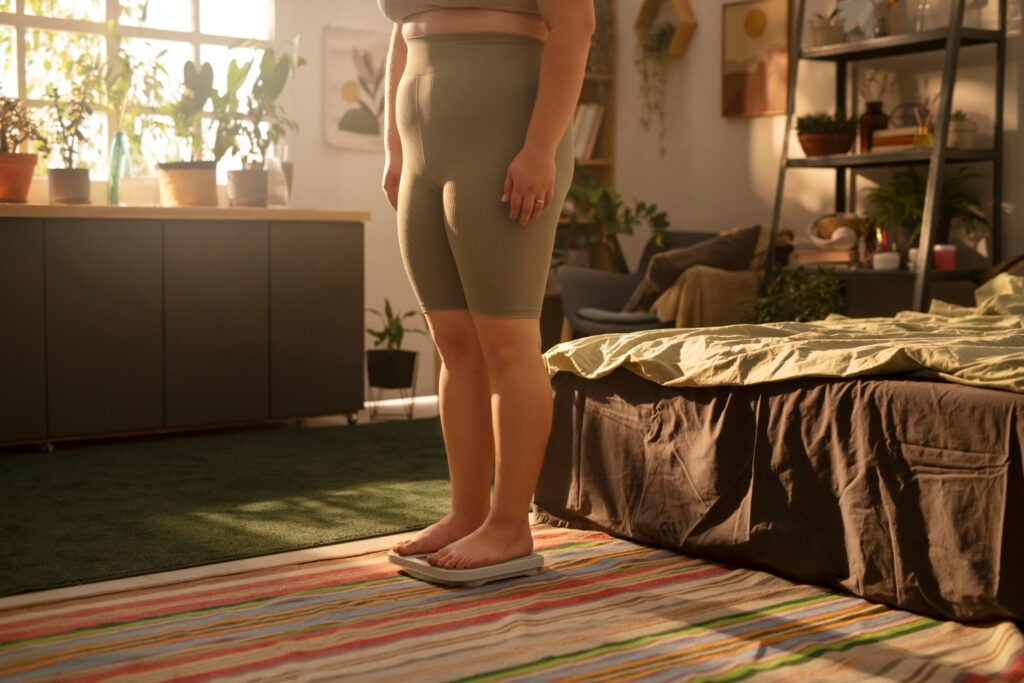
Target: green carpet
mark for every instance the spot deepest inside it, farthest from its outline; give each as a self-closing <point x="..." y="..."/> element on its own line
<point x="107" y="511"/>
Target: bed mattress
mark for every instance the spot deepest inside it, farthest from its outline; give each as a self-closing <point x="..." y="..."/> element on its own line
<point x="906" y="492"/>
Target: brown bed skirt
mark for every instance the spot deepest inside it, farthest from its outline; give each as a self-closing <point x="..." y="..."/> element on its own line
<point x="908" y="493"/>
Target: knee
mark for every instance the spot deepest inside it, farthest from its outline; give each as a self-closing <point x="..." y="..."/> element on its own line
<point x="503" y="354"/>
<point x="458" y="348"/>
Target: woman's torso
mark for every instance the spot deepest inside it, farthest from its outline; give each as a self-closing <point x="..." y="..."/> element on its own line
<point x="426" y="17"/>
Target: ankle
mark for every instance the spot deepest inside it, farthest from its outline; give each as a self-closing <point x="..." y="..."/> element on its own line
<point x="471" y="515"/>
<point x="507" y="524"/>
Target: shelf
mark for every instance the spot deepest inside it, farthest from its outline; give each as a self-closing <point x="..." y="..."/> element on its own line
<point x="846" y="273"/>
<point x="902" y="44"/>
<point x="904" y="157"/>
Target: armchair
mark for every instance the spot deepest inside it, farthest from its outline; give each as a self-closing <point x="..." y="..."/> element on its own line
<point x="600" y="295"/>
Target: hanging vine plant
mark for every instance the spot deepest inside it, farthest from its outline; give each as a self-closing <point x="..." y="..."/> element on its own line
<point x="650" y="58"/>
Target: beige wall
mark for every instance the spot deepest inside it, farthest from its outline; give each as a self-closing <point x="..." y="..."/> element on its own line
<point x="717" y="172"/>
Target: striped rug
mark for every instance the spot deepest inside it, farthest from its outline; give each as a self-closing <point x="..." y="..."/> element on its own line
<point x="603" y="609"/>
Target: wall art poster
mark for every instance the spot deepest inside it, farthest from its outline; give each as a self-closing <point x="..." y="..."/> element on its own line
<point x="755" y="57"/>
<point x="354" y="88"/>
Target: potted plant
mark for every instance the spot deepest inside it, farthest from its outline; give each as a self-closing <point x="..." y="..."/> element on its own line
<point x="597" y="216"/>
<point x="650" y="59"/>
<point x="962" y="131"/>
<point x="822" y="134"/>
<point x="391" y="367"/>
<point x="192" y="182"/>
<point x="263" y="126"/>
<point x="70" y="184"/>
<point x="800" y="295"/>
<point x="16" y="168"/>
<point x="827" y="29"/>
<point x="899" y="206"/>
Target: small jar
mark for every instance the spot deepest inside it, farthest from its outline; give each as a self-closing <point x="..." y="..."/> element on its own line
<point x="923" y="137"/>
<point x="871" y="120"/>
<point x="944" y="256"/>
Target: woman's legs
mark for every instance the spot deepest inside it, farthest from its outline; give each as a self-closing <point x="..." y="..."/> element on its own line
<point x="464" y="398"/>
<point x="521" y="407"/>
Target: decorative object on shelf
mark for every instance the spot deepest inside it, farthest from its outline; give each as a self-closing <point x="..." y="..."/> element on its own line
<point x="882" y="26"/>
<point x="598" y="215"/>
<point x="885" y="260"/>
<point x="962" y="131"/>
<point x="119" y="163"/>
<point x="16" y="168"/>
<point x="855" y="34"/>
<point x="755" y="57"/>
<point x="912" y="257"/>
<point x="391" y="367"/>
<point x="900" y="205"/>
<point x="824" y="134"/>
<point x="70" y="130"/>
<point x="354" y="65"/>
<point x="872" y="87"/>
<point x="800" y="295"/>
<point x="923" y="19"/>
<point x="836" y="231"/>
<point x="944" y="256"/>
<point x="871" y="120"/>
<point x="828" y="29"/>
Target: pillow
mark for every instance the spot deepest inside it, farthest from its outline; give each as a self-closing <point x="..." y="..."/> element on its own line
<point x="732" y="250"/>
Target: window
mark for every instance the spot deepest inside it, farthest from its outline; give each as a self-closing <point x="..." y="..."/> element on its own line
<point x="54" y="43"/>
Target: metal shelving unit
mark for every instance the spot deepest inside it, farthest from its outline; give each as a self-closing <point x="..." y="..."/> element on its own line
<point x="948" y="40"/>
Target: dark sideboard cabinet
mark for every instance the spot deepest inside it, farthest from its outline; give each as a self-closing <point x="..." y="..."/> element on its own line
<point x="117" y="326"/>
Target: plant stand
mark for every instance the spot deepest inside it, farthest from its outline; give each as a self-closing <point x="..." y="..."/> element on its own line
<point x="407" y="395"/>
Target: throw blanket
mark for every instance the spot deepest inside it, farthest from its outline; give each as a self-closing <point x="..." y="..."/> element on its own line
<point x="982" y="346"/>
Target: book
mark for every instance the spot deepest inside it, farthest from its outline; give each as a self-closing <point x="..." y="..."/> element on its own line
<point x="590" y="115"/>
<point x="900" y="131"/>
<point x="892" y="140"/>
<point x="803" y="257"/>
<point x="595" y="128"/>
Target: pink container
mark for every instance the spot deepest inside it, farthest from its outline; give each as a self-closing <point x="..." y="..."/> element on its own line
<point x="944" y="256"/>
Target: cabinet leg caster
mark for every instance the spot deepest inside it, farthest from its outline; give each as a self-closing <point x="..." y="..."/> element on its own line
<point x="353" y="418"/>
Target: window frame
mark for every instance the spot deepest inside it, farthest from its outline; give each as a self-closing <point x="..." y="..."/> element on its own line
<point x="22" y="22"/>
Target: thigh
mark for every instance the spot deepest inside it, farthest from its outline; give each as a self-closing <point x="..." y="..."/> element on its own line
<point x="425" y="247"/>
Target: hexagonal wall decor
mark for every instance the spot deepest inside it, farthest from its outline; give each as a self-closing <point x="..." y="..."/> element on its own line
<point x="685" y="26"/>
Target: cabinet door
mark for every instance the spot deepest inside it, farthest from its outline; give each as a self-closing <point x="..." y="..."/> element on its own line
<point x="316" y="337"/>
<point x="103" y="326"/>
<point x="22" y="331"/>
<point x="217" y="322"/>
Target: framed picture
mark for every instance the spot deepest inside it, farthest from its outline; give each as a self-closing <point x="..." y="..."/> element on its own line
<point x="354" y="87"/>
<point x="755" y="57"/>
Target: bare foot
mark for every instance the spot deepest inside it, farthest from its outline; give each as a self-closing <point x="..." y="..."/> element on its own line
<point x="436" y="536"/>
<point x="489" y="544"/>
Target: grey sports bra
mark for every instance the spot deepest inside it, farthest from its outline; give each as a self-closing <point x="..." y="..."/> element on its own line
<point x="399" y="11"/>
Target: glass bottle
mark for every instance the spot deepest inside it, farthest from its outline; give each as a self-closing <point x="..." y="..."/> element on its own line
<point x="119" y="161"/>
<point x="871" y="120"/>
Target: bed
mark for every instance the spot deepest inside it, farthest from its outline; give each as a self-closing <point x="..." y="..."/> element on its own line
<point x="880" y="457"/>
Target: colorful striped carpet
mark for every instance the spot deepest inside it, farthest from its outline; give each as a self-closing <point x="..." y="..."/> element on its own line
<point x="603" y="609"/>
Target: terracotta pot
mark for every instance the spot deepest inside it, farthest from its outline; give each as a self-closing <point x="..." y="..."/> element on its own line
<point x="16" y="176"/>
<point x="247" y="187"/>
<point x="69" y="185"/>
<point x="822" y="144"/>
<point x="188" y="183"/>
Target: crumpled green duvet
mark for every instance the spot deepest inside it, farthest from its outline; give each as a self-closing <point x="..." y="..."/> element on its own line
<point x="982" y="346"/>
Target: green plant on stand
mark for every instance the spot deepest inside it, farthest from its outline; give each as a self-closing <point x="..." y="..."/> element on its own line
<point x="800" y="295"/>
<point x="391" y="367"/>
<point x="899" y="205"/>
<point x="651" y="58"/>
<point x="599" y="215"/>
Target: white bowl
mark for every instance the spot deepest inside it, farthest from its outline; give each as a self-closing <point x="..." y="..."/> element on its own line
<point x="842" y="237"/>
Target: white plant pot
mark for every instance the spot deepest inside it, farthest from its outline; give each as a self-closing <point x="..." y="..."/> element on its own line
<point x="247" y="187"/>
<point x="885" y="260"/>
<point x="69" y="185"/>
<point x="827" y="31"/>
<point x="963" y="134"/>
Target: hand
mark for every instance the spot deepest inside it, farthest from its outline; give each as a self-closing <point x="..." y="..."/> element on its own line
<point x="392" y="177"/>
<point x="529" y="184"/>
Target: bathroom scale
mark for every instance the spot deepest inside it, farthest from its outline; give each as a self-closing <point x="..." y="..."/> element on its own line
<point x="417" y="567"/>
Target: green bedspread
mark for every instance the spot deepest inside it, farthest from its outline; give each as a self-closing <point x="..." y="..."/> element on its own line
<point x="982" y="346"/>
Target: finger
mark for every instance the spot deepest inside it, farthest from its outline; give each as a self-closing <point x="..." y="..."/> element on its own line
<point x="506" y="192"/>
<point x="529" y="211"/>
<point x="515" y="205"/>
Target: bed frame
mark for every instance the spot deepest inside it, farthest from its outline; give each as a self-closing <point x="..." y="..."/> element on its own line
<point x="905" y="492"/>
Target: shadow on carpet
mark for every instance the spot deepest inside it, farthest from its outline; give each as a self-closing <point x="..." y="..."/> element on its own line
<point x="102" y="512"/>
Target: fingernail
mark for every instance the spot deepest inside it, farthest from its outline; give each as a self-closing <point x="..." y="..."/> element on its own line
<point x="504" y="197"/>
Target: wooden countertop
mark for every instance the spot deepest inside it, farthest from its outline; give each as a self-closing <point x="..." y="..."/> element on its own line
<point x="211" y="213"/>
